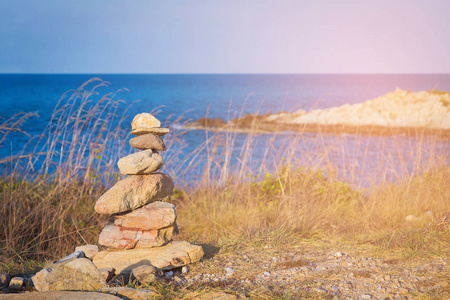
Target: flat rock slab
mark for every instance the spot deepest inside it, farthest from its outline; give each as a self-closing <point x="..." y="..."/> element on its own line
<point x="155" y="215"/>
<point x="134" y="192"/>
<point x="156" y="131"/>
<point x="119" y="237"/>
<point x="60" y="295"/>
<point x="140" y="163"/>
<point x="130" y="293"/>
<point x="147" y="141"/>
<point x="216" y="296"/>
<point x="172" y="255"/>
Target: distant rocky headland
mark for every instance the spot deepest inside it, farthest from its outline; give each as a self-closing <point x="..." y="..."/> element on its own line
<point x="398" y="112"/>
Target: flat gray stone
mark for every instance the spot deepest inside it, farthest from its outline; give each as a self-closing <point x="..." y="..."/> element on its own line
<point x="157" y="131"/>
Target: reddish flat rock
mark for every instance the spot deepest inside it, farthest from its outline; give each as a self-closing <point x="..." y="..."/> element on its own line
<point x="119" y="237"/>
<point x="135" y="191"/>
<point x="155" y="215"/>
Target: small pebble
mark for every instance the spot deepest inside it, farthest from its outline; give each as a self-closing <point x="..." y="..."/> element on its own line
<point x="16" y="283"/>
<point x="229" y="271"/>
<point x="5" y="278"/>
<point x="320" y="290"/>
<point x="169" y="274"/>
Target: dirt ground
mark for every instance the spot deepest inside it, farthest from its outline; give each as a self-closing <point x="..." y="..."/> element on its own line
<point x="315" y="271"/>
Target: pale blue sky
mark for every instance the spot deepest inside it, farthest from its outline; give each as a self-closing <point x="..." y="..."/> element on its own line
<point x="212" y="36"/>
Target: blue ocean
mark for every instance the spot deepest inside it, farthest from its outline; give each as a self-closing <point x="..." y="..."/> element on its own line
<point x="192" y="96"/>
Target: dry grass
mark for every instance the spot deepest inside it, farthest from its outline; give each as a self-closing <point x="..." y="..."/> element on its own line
<point x="47" y="208"/>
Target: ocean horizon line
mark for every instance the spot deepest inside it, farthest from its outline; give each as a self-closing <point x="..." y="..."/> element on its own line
<point x="257" y="74"/>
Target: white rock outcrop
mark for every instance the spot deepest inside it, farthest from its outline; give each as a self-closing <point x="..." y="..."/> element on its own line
<point x="427" y="109"/>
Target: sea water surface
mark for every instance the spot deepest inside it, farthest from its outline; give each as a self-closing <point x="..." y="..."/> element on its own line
<point x="226" y="96"/>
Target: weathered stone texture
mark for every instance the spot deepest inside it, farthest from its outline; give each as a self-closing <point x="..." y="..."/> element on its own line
<point x="172" y="255"/>
<point x="135" y="191"/>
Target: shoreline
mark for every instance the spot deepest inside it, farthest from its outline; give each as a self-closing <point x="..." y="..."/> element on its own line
<point x="396" y="113"/>
<point x="246" y="125"/>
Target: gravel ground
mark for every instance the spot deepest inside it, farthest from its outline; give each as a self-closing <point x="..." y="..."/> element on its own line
<point x="305" y="271"/>
<point x="318" y="273"/>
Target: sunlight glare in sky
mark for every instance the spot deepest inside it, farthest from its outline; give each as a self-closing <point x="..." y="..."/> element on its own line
<point x="117" y="36"/>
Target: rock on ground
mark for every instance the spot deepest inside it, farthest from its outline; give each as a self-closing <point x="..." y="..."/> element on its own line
<point x="108" y="273"/>
<point x="216" y="296"/>
<point x="78" y="275"/>
<point x="60" y="295"/>
<point x="5" y="278"/>
<point x="130" y="293"/>
<point x="89" y="250"/>
<point x="16" y="283"/>
<point x="144" y="274"/>
<point x="172" y="255"/>
<point x="133" y="192"/>
<point x="140" y="163"/>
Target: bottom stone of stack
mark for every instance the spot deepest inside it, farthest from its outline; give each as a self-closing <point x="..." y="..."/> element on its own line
<point x="119" y="237"/>
<point x="172" y="255"/>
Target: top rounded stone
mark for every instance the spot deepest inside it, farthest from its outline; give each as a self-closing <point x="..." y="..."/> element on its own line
<point x="146" y="123"/>
<point x="145" y="120"/>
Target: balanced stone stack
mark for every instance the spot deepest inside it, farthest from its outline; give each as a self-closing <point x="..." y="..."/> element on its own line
<point x="142" y="224"/>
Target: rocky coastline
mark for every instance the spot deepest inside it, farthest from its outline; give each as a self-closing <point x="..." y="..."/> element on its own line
<point x="396" y="113"/>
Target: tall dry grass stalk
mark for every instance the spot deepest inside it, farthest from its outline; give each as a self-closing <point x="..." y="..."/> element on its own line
<point x="306" y="185"/>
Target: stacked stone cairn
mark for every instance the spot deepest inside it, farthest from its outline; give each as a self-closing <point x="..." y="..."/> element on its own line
<point x="138" y="235"/>
<point x="142" y="224"/>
